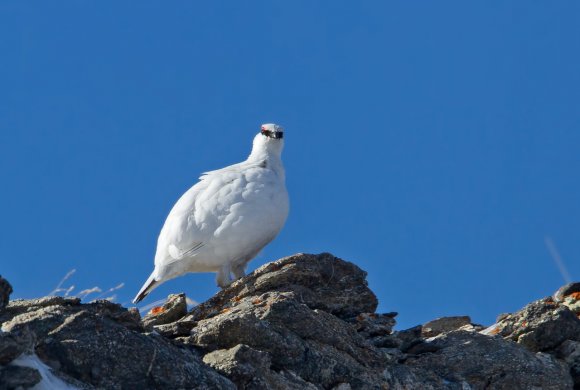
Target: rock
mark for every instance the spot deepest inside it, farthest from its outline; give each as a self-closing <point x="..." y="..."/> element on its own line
<point x="20" y="305"/>
<point x="293" y="309"/>
<point x="572" y="302"/>
<point x="40" y="321"/>
<point x="342" y="386"/>
<point x="320" y="281"/>
<point x="128" y="318"/>
<point x="40" y="315"/>
<point x="102" y="344"/>
<point x="540" y="326"/>
<point x="566" y="290"/>
<point x="569" y="352"/>
<point x="240" y="363"/>
<point x="175" y="329"/>
<point x="172" y="310"/>
<point x="44" y="315"/>
<point x="444" y="324"/>
<point x="386" y="341"/>
<point x="302" y="322"/>
<point x="376" y="328"/>
<point x="250" y="369"/>
<point x="314" y="344"/>
<point x="410" y="337"/>
<point x="99" y="351"/>
<point x="14" y="344"/>
<point x="51" y="379"/>
<point x="403" y="377"/>
<point x="392" y="355"/>
<point x="15" y="377"/>
<point x="372" y="324"/>
<point x="481" y="362"/>
<point x="5" y="291"/>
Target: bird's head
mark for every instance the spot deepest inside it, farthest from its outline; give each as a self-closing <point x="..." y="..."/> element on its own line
<point x="270" y="140"/>
<point x="272" y="130"/>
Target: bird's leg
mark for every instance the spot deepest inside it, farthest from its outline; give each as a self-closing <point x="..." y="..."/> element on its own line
<point x="239" y="270"/>
<point x="224" y="277"/>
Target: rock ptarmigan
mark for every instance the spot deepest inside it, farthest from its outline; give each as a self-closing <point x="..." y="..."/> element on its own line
<point x="223" y="221"/>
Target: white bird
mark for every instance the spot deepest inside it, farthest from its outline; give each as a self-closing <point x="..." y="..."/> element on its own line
<point x="224" y="220"/>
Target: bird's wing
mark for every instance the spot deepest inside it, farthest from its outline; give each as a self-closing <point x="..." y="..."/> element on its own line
<point x="198" y="213"/>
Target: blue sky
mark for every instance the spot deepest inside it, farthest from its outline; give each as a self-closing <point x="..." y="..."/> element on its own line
<point x="434" y="144"/>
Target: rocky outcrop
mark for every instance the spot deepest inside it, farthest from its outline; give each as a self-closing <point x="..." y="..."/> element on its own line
<point x="464" y="359"/>
<point x="549" y="325"/>
<point x="16" y="377"/>
<point x="101" y="345"/>
<point x="5" y="291"/>
<point x="302" y="322"/>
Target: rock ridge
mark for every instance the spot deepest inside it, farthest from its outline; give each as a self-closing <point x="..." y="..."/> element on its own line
<point x="302" y="322"/>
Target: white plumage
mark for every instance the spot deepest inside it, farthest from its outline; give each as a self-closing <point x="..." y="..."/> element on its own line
<point x="224" y="220"/>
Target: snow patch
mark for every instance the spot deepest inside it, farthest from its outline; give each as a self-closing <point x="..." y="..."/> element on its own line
<point x="49" y="380"/>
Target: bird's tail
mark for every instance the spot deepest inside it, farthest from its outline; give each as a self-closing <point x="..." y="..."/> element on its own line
<point x="149" y="286"/>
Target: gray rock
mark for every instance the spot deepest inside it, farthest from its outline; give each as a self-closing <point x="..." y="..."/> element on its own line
<point x="569" y="352"/>
<point x="373" y="324"/>
<point x="15" y="377"/>
<point x="20" y="305"/>
<point x="99" y="351"/>
<point x="240" y="363"/>
<point x="102" y="344"/>
<point x="410" y="337"/>
<point x="392" y="355"/>
<point x="444" y="324"/>
<point x="40" y="321"/>
<point x="385" y="341"/>
<point x="572" y="302"/>
<point x="40" y="315"/>
<point x="44" y="315"/>
<point x="250" y="369"/>
<point x="342" y="386"/>
<point x="540" y="326"/>
<point x="302" y="322"/>
<point x="376" y="328"/>
<point x="172" y="310"/>
<point x="402" y="377"/>
<point x="5" y="291"/>
<point x="317" y="346"/>
<point x="566" y="290"/>
<point x="175" y="329"/>
<point x="14" y="344"/>
<point x="482" y="362"/>
<point x="320" y="281"/>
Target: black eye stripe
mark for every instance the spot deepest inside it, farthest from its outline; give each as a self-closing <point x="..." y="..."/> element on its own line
<point x="273" y="134"/>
